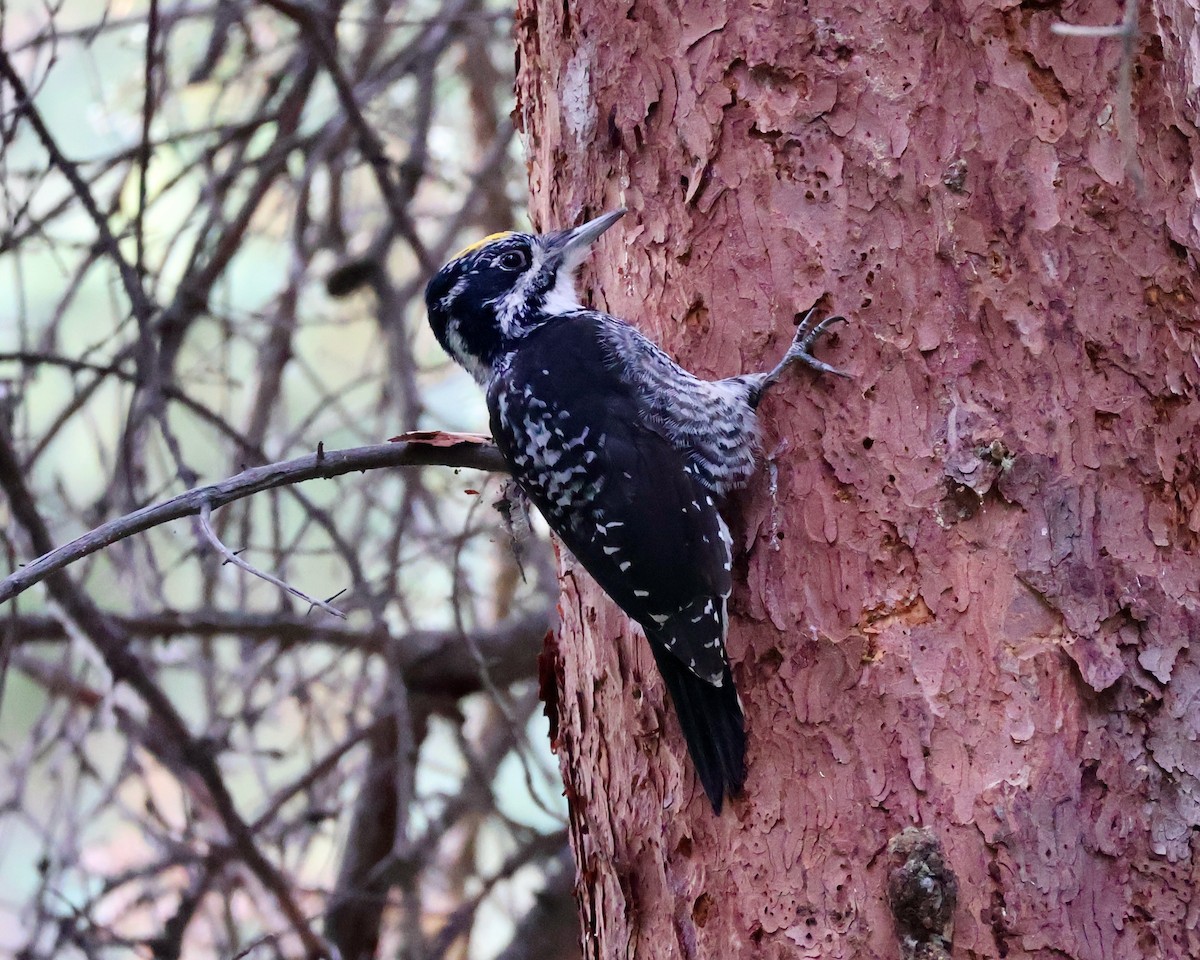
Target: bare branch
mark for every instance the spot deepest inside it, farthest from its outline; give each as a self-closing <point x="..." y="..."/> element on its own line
<point x="323" y="464"/>
<point x="159" y="680"/>
<point x="230" y="557"/>
<point x="323" y="39"/>
<point x="549" y="930"/>
<point x="172" y="741"/>
<point x="148" y="104"/>
<point x="142" y="307"/>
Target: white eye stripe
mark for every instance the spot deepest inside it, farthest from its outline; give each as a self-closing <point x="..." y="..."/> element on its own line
<point x="511" y="305"/>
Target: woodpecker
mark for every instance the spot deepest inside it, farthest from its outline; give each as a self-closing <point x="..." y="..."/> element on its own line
<point x="627" y="455"/>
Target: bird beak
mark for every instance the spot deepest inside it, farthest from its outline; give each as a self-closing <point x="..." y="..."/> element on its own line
<point x="574" y="244"/>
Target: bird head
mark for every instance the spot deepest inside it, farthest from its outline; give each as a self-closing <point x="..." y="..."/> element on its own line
<point x="496" y="291"/>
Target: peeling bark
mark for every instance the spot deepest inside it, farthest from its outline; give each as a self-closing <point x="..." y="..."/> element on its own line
<point x="967" y="583"/>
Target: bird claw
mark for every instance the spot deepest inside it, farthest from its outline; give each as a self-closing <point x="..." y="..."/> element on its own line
<point x="807" y="334"/>
<point x="513" y="507"/>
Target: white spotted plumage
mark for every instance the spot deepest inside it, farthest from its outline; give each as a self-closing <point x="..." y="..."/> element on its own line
<point x="626" y="454"/>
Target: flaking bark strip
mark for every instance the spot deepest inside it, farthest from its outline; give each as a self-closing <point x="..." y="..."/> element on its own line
<point x="922" y="893"/>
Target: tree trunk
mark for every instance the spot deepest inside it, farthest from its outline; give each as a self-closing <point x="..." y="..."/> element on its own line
<point x="967" y="582"/>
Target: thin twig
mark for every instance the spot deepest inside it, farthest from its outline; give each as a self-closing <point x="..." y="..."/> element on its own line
<point x="216" y="421"/>
<point x="145" y="153"/>
<point x="139" y="301"/>
<point x="230" y="557"/>
<point x="322" y="39"/>
<point x="173" y="743"/>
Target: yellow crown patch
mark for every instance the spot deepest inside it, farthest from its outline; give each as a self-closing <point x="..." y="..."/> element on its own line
<point x="470" y="248"/>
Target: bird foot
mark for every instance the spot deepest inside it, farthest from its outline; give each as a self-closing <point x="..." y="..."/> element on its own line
<point x="807" y="335"/>
<point x="513" y="507"/>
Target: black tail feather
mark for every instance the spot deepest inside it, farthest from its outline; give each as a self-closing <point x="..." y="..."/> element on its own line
<point x="712" y="723"/>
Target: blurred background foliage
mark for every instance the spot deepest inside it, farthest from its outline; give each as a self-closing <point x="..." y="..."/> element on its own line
<point x="217" y="222"/>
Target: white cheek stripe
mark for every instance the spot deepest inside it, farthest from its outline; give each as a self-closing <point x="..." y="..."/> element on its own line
<point x="562" y="297"/>
<point x="508" y="307"/>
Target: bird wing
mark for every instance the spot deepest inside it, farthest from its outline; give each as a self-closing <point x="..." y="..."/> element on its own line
<point x="710" y="421"/>
<point x="622" y="498"/>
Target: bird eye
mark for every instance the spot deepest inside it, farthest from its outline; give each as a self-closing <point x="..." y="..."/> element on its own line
<point x="513" y="260"/>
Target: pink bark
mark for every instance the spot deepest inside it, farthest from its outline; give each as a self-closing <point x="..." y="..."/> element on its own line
<point x="968" y="605"/>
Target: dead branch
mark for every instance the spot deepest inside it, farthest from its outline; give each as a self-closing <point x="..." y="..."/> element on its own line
<point x="140" y="303"/>
<point x="230" y="557"/>
<point x="173" y="743"/>
<point x="168" y="325"/>
<point x="320" y="465"/>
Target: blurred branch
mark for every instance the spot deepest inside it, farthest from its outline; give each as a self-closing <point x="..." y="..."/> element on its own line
<point x="550" y="930"/>
<point x="172" y="742"/>
<point x="209" y="258"/>
<point x="440" y="663"/>
<point x="324" y="40"/>
<point x="232" y="152"/>
<point x="320" y="465"/>
<point x="378" y="824"/>
<point x="483" y="84"/>
<point x="142" y="307"/>
<point x="246" y="445"/>
<point x="148" y="105"/>
<point x="547" y="846"/>
<point x="402" y="864"/>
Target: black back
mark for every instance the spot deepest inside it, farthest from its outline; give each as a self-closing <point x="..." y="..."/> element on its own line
<point x="631" y="508"/>
<point x="619" y="495"/>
